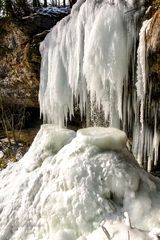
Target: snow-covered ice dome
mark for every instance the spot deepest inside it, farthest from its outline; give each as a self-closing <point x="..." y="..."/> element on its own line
<point x="64" y="187"/>
<point x="104" y="138"/>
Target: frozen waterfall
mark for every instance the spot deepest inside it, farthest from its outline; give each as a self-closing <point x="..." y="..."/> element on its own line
<point x="87" y="185"/>
<point x="89" y="59"/>
<point x="86" y="53"/>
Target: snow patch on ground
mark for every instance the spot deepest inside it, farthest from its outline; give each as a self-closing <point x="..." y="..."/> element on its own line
<point x="54" y="11"/>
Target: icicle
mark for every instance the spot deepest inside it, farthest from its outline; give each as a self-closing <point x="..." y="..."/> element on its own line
<point x="141" y="69"/>
<point x="156" y="139"/>
<point x="92" y="53"/>
<point x="85" y="53"/>
<point x="149" y="138"/>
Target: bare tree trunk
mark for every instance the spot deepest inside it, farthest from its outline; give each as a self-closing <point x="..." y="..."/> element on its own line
<point x="36" y="3"/>
<point x="45" y="3"/>
<point x="12" y="128"/>
<point x="106" y="232"/>
<point x="4" y="119"/>
<point x="72" y="2"/>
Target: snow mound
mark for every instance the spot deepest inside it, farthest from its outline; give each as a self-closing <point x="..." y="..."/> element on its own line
<point x="63" y="188"/>
<point x="52" y="137"/>
<point x="49" y="140"/>
<point x="104" y="138"/>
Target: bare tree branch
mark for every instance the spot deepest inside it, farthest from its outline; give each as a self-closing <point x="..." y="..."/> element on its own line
<point x="128" y="221"/>
<point x="106" y="232"/>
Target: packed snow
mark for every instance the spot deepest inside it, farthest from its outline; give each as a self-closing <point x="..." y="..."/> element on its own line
<point x="89" y="58"/>
<point x="53" y="11"/>
<point x="67" y="188"/>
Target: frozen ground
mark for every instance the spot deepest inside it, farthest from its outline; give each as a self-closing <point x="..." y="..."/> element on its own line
<point x="69" y="184"/>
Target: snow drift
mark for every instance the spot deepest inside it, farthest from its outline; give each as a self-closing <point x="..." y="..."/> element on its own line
<point x="67" y="184"/>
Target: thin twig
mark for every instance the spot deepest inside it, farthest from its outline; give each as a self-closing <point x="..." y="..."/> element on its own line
<point x="128" y="235"/>
<point x="106" y="232"/>
<point x="132" y="10"/>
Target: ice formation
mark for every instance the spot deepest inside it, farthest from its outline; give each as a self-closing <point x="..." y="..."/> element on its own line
<point x="146" y="139"/>
<point x="65" y="188"/>
<point x="89" y="59"/>
<point x="85" y="52"/>
<point x="104" y="138"/>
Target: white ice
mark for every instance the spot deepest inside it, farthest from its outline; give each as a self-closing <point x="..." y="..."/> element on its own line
<point x="104" y="138"/>
<point x="64" y="188"/>
<point x="85" y="61"/>
<point x="142" y="68"/>
<point x="85" y="53"/>
<point x="145" y="139"/>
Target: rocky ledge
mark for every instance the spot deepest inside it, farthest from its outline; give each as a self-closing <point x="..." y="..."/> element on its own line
<point x="20" y="57"/>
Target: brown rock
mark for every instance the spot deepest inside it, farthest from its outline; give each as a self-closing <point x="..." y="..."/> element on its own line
<point x="20" y="58"/>
<point x="18" y="79"/>
<point x="153" y="55"/>
<point x="153" y="34"/>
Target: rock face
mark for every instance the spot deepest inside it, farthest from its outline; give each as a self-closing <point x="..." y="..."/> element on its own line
<point x="153" y="61"/>
<point x="19" y="80"/>
<point x="155" y="3"/>
<point x="153" y="55"/>
<point x="20" y="57"/>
